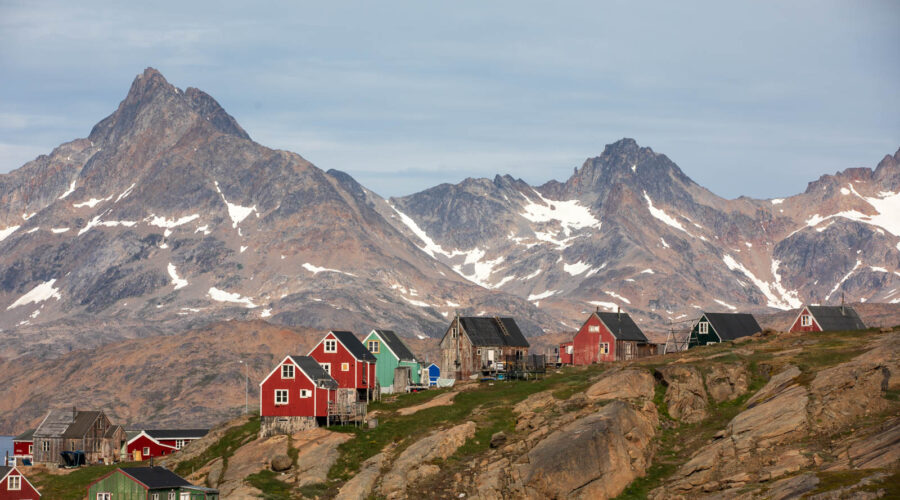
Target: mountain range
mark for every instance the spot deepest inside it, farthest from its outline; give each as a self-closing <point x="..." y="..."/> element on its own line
<point x="168" y="216"/>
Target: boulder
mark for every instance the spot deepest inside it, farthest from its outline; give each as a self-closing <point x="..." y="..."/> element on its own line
<point x="281" y="463"/>
<point x="726" y="382"/>
<point x="440" y="444"/>
<point x="773" y="422"/>
<point x="360" y="486"/>
<point x="594" y="457"/>
<point x="498" y="439"/>
<point x="317" y="452"/>
<point x="686" y="398"/>
<point x="250" y="459"/>
<point x="632" y="383"/>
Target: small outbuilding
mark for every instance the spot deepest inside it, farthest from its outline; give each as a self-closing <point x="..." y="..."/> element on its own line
<point x="391" y="353"/>
<point x="827" y="319"/>
<point x="713" y="328"/>
<point x="434" y="373"/>
<point x="15" y="486"/>
<point x="147" y="483"/>
<point x="23" y="446"/>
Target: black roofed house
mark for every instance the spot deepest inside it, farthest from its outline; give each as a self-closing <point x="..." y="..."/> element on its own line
<point x="713" y="328"/>
<point x="147" y="483"/>
<point x="827" y="319"/>
<point x="473" y="345"/>
<point x="393" y="357"/>
<point x="609" y="336"/>
<point x="73" y="430"/>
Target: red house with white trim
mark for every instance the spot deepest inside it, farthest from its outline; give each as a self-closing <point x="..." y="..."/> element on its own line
<point x="23" y="445"/>
<point x="608" y="336"/>
<point x="565" y="352"/>
<point x="15" y="486"/>
<point x="348" y="361"/>
<point x="294" y="396"/>
<point x="143" y="446"/>
<point x="827" y="319"/>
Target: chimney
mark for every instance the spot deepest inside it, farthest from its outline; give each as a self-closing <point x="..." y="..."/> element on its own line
<point x="842" y="304"/>
<point x="620" y="312"/>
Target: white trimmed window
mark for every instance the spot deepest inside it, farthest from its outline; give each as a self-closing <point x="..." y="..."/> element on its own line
<point x="594" y="328"/>
<point x="330" y="345"/>
<point x="374" y="346"/>
<point x="287" y="370"/>
<point x="14" y="483"/>
<point x="703" y="328"/>
<point x="155" y="496"/>
<point x="806" y="320"/>
<point x="604" y="348"/>
<point x="326" y="367"/>
<point x="179" y="444"/>
<point x="104" y="496"/>
<point x="146" y="451"/>
<point x="30" y="449"/>
<point x="171" y="495"/>
<point x="185" y="495"/>
<point x="305" y="393"/>
<point x="281" y="397"/>
<point x="45" y="446"/>
<point x="345" y="367"/>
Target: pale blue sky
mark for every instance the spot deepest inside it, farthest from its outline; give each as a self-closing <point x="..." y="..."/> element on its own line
<point x="754" y="98"/>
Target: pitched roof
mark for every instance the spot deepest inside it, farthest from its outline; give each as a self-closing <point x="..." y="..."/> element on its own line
<point x="314" y="370"/>
<point x="156" y="477"/>
<point x="25" y="436"/>
<point x="396" y="345"/>
<point x="622" y="326"/>
<point x="111" y="431"/>
<point x="729" y="326"/>
<point x="4" y="470"/>
<point x="356" y="348"/>
<point x="176" y="433"/>
<point x="84" y="421"/>
<point x="493" y="331"/>
<point x="836" y="318"/>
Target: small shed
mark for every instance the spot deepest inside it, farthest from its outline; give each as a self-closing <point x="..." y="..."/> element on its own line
<point x="434" y="373"/>
<point x="827" y="319"/>
<point x="151" y="483"/>
<point x="23" y="446"/>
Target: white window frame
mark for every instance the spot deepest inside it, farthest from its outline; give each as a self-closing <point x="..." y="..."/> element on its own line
<point x="14" y="486"/>
<point x="326" y="367"/>
<point x="330" y="345"/>
<point x="805" y="320"/>
<point x="31" y="449"/>
<point x="569" y="349"/>
<point x="281" y="392"/>
<point x="45" y="445"/>
<point x="374" y="346"/>
<point x="345" y="367"/>
<point x="604" y="348"/>
<point x="703" y="328"/>
<point x="287" y="371"/>
<point x="155" y="496"/>
<point x="179" y="443"/>
<point x="185" y="495"/>
<point x="146" y="451"/>
<point x="305" y="393"/>
<point x="594" y="328"/>
<point x="104" y="496"/>
<point x="172" y="495"/>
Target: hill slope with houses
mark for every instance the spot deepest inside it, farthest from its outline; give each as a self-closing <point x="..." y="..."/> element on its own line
<point x="168" y="216"/>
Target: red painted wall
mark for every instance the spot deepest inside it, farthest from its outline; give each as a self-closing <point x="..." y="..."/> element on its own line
<point x="20" y="448"/>
<point x="155" y="449"/>
<point x="356" y="375"/>
<point x="564" y="357"/>
<point x="26" y="492"/>
<point x="814" y="327"/>
<point x="297" y="406"/>
<point x="587" y="343"/>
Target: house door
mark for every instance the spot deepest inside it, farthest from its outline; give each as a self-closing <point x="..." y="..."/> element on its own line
<point x="490" y="357"/>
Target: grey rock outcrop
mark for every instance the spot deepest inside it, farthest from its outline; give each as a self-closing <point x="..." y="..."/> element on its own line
<point x="686" y="398"/>
<point x="632" y="383"/>
<point x="726" y="382"/>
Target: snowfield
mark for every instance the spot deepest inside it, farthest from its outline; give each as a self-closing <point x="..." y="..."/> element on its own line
<point x="40" y="293"/>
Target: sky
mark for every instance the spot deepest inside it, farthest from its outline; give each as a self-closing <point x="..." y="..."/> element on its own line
<point x="748" y="98"/>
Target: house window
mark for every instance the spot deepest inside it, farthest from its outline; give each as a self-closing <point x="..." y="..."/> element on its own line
<point x="703" y="328"/>
<point x="281" y="397"/>
<point x="594" y="328"/>
<point x="479" y="352"/>
<point x="305" y="393"/>
<point x="568" y="349"/>
<point x="14" y="483"/>
<point x="104" y="496"/>
<point x="30" y="449"/>
<point x="287" y="371"/>
<point x="45" y="446"/>
<point x="604" y="348"/>
<point x="179" y="444"/>
<point x="374" y="346"/>
<point x="185" y="495"/>
<point x="331" y="345"/>
<point x="806" y="320"/>
<point x="146" y="451"/>
<point x="155" y="496"/>
<point x="326" y="367"/>
<point x="171" y="495"/>
<point x="345" y="367"/>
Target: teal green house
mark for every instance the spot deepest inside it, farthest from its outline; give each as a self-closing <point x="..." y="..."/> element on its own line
<point x="147" y="483"/>
<point x="391" y="353"/>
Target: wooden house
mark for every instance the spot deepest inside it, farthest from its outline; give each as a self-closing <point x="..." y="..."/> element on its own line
<point x="73" y="430"/>
<point x="15" y="486"/>
<point x="827" y="319"/>
<point x="609" y="336"/>
<point x="391" y="353"/>
<point x="160" y="442"/>
<point x="434" y="373"/>
<point x="474" y="345"/>
<point x="564" y="353"/>
<point x="348" y="362"/>
<point x="295" y="396"/>
<point x="147" y="483"/>
<point x="23" y="446"/>
<point x="713" y="328"/>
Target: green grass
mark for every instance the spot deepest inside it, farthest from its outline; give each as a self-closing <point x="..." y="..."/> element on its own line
<point x="234" y="438"/>
<point x="73" y="485"/>
<point x="316" y="490"/>
<point x="273" y="488"/>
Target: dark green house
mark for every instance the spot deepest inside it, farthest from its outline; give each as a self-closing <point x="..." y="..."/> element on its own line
<point x="391" y="353"/>
<point x="147" y="483"/>
<point x="713" y="328"/>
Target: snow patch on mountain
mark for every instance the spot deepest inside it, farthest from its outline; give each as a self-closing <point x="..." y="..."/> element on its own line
<point x="96" y="222"/>
<point x="842" y="280"/>
<point x="542" y="295"/>
<point x="125" y="193"/>
<point x="887" y="216"/>
<point x="576" y="268"/>
<point x="571" y="214"/>
<point x="606" y="305"/>
<point x="57" y="230"/>
<point x="223" y="296"/>
<point x="316" y="270"/>
<point x="68" y="191"/>
<point x="176" y="280"/>
<point x="662" y="215"/>
<point x="725" y="304"/>
<point x="40" y="293"/>
<point x="617" y="296"/>
<point x="775" y="293"/>
<point x="171" y="223"/>
<point x="93" y="202"/>
<point x="237" y="213"/>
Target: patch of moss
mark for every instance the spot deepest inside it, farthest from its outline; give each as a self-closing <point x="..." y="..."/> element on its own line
<point x="273" y="488"/>
<point x="234" y="438"/>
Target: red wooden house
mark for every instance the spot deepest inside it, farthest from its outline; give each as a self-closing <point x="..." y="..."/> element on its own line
<point x="827" y="319"/>
<point x="15" y="486"/>
<point x="23" y="445"/>
<point x="295" y="396"/>
<point x="564" y="353"/>
<point x="160" y="442"/>
<point x="608" y="336"/>
<point x="348" y="361"/>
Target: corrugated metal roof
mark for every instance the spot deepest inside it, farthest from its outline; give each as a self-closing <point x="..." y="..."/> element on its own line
<point x="55" y="423"/>
<point x="396" y="345"/>
<point x="353" y="344"/>
<point x="836" y="318"/>
<point x="622" y="326"/>
<point x="729" y="326"/>
<point x="487" y="331"/>
<point x="314" y="370"/>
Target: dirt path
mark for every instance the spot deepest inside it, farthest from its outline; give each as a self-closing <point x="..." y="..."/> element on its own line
<point x="442" y="400"/>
